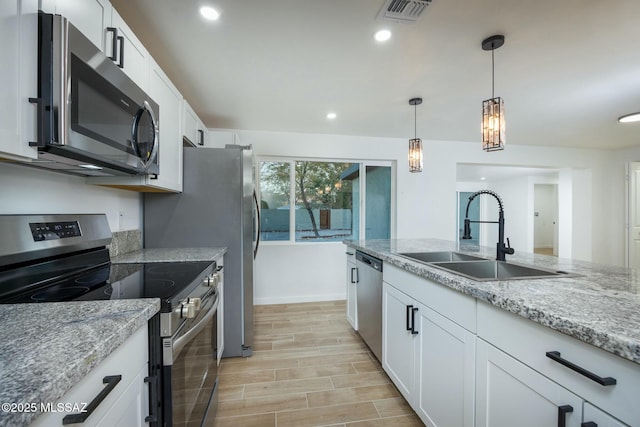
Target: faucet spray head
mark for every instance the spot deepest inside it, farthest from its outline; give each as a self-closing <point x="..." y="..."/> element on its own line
<point x="467" y="229"/>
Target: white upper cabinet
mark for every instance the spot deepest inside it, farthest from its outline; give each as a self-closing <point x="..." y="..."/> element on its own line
<point x="89" y="16"/>
<point x="18" y="74"/>
<point x="124" y="48"/>
<point x="193" y="128"/>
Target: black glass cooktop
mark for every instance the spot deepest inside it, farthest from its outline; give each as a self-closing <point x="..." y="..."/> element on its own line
<point x="167" y="281"/>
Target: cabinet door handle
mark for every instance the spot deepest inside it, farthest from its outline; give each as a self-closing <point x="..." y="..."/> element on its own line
<point x="413" y="321"/>
<point x="111" y="381"/>
<point x="349" y="253"/>
<point x="201" y="132"/>
<point x="603" y="381"/>
<point x="121" y="41"/>
<point x="409" y="308"/>
<point x="589" y="424"/>
<point x="562" y="414"/>
<point x="357" y="279"/>
<point x="153" y="391"/>
<point x="39" y="142"/>
<point x="114" y="43"/>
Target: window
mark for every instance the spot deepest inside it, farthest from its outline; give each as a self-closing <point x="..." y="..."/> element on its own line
<point x="320" y="201"/>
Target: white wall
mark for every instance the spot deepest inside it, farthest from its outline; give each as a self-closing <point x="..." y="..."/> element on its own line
<point x="426" y="202"/>
<point x="25" y="190"/>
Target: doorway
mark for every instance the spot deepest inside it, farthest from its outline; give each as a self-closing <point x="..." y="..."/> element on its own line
<point x="545" y="219"/>
<point x="474" y="215"/>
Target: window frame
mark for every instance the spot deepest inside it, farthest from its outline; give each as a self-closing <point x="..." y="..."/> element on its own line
<point x="292" y="196"/>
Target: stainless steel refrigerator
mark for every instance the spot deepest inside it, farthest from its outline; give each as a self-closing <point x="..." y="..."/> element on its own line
<point x="217" y="207"/>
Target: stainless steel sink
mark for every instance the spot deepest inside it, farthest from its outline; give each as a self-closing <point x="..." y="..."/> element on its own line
<point x="498" y="270"/>
<point x="441" y="256"/>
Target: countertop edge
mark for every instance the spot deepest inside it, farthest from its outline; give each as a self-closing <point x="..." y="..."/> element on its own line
<point x="149" y="255"/>
<point x="618" y="345"/>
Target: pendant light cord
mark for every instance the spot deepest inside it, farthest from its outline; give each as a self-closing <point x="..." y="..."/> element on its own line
<point x="493" y="73"/>
<point x="415" y="119"/>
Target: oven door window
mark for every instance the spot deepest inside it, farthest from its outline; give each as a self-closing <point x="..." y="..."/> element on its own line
<point x="194" y="371"/>
<point x="102" y="117"/>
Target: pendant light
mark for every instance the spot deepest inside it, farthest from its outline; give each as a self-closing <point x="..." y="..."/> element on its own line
<point x="493" y="121"/>
<point x="415" y="144"/>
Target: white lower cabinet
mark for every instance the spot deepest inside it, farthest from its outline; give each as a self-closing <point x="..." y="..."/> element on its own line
<point x="509" y="393"/>
<point x="430" y="359"/>
<point x="595" y="417"/>
<point x="460" y="362"/>
<point x="352" y="288"/>
<point x="126" y="405"/>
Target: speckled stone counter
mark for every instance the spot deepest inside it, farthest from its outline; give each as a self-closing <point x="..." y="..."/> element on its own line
<point x="601" y="306"/>
<point x="45" y="349"/>
<point x="169" y="255"/>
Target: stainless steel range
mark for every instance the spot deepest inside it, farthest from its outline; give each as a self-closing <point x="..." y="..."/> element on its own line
<point x="54" y="258"/>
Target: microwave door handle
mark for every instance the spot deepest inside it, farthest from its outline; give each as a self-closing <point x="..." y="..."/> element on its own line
<point x="134" y="140"/>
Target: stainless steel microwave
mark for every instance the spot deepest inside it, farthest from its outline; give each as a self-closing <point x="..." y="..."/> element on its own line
<point x="93" y="120"/>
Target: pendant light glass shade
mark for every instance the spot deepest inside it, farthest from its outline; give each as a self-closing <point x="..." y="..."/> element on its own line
<point x="415" y="144"/>
<point x="493" y="124"/>
<point x="415" y="155"/>
<point x="493" y="120"/>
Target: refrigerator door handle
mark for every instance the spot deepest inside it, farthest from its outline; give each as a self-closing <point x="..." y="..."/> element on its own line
<point x="255" y="200"/>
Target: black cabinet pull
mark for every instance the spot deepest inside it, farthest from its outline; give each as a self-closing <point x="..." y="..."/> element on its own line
<point x="39" y="142"/>
<point x="349" y="253"/>
<point x="121" y="41"/>
<point x="111" y="381"/>
<point x="201" y="132"/>
<point x="357" y="279"/>
<point x="114" y="43"/>
<point x="409" y="327"/>
<point x="606" y="381"/>
<point x="589" y="424"/>
<point x="413" y="321"/>
<point x="153" y="391"/>
<point x="562" y="414"/>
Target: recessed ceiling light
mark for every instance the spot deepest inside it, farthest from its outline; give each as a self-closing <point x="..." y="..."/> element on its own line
<point x="482" y="178"/>
<point x="209" y="13"/>
<point x="382" y="35"/>
<point x="331" y="116"/>
<point x="633" y="117"/>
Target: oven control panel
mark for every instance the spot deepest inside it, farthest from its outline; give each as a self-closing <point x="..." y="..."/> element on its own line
<point x="54" y="230"/>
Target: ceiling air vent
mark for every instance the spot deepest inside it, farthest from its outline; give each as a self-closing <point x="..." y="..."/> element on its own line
<point x="402" y="11"/>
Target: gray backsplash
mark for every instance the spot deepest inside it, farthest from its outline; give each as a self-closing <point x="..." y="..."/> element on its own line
<point x="126" y="241"/>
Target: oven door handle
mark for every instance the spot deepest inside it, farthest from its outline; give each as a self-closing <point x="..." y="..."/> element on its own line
<point x="181" y="342"/>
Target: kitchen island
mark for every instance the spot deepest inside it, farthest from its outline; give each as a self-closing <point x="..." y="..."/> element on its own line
<point x="48" y="348"/>
<point x="508" y="340"/>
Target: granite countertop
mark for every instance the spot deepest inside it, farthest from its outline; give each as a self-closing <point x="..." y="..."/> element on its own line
<point x="46" y="348"/>
<point x="169" y="255"/>
<point x="600" y="306"/>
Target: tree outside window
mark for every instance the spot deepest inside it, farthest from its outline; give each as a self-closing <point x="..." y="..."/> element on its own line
<point x="323" y="200"/>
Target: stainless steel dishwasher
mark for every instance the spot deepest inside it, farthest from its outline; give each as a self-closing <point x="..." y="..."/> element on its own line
<point x="369" y="301"/>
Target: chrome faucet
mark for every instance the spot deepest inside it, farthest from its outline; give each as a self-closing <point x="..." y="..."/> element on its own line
<point x="501" y="248"/>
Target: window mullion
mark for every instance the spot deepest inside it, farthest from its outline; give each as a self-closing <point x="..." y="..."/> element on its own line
<point x="292" y="201"/>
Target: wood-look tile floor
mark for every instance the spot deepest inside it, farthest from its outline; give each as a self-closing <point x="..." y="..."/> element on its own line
<point x="308" y="368"/>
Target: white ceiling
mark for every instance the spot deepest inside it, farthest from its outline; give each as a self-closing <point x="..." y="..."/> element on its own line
<point x="567" y="71"/>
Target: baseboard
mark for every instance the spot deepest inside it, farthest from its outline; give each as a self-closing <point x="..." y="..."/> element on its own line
<point x="300" y="298"/>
